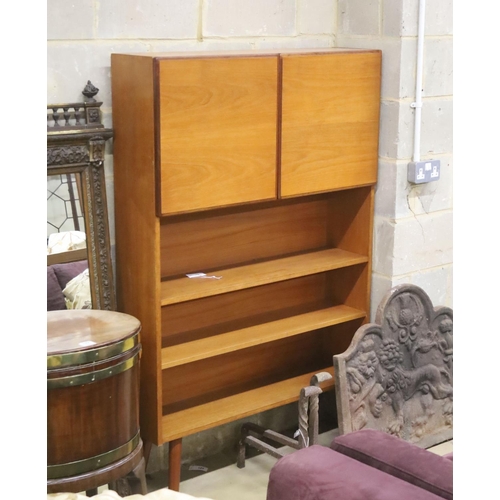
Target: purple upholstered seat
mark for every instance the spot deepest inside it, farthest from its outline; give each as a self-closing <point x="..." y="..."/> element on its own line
<point x="363" y="465"/>
<point x="320" y="473"/>
<point x="399" y="458"/>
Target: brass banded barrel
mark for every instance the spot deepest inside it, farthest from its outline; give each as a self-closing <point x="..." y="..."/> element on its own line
<point x="92" y="390"/>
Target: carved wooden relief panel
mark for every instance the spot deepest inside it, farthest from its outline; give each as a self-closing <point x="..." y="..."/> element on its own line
<point x="397" y="374"/>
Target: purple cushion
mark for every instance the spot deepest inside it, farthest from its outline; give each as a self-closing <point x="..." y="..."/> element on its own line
<point x="319" y="473"/>
<point x="55" y="297"/>
<point x="58" y="276"/>
<point x="67" y="271"/>
<point x="449" y="456"/>
<point x="399" y="458"/>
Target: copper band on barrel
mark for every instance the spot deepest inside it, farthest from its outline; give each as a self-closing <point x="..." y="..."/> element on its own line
<point x="93" y="463"/>
<point x="91" y="355"/>
<point x="93" y="376"/>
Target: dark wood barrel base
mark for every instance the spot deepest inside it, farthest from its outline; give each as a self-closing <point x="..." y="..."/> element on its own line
<point x="113" y="475"/>
<point x="93" y="435"/>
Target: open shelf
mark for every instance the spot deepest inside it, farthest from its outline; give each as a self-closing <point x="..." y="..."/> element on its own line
<point x="262" y="273"/>
<point x="244" y="404"/>
<point x="259" y="334"/>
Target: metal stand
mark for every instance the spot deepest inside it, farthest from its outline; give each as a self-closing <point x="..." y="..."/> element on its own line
<point x="307" y="434"/>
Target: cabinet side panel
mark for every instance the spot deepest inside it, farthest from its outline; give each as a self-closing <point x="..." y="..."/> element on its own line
<point x="330" y="122"/>
<point x="353" y="231"/>
<point x="349" y="286"/>
<point x="136" y="226"/>
<point x="218" y="120"/>
<point x="350" y="220"/>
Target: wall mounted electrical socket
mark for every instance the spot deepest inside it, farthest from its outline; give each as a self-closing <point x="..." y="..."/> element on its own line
<point x="424" y="171"/>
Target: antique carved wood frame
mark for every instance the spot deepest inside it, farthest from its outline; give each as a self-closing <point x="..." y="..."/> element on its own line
<point x="75" y="145"/>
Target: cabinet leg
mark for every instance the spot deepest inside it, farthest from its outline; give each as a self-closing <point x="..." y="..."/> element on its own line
<point x="147" y="445"/>
<point x="140" y="473"/>
<point x="174" y="464"/>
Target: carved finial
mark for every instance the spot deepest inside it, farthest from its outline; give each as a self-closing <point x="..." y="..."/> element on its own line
<point x="90" y="91"/>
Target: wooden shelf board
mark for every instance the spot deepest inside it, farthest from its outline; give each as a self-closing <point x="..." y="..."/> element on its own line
<point x="255" y="335"/>
<point x="262" y="273"/>
<point x="182" y="423"/>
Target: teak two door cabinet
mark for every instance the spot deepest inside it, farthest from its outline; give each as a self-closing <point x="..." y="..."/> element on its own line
<point x="258" y="170"/>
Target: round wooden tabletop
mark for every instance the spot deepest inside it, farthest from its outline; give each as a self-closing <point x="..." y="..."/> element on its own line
<point x="80" y="329"/>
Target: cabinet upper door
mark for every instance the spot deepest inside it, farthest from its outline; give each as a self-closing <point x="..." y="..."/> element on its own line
<point x="218" y="129"/>
<point x="330" y="117"/>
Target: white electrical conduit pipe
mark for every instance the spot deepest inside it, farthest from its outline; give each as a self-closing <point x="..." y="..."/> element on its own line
<point x="419" y="81"/>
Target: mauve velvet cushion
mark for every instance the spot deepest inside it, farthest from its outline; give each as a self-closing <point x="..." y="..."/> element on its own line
<point x="319" y="473"/>
<point x="55" y="297"/>
<point x="399" y="458"/>
<point x="58" y="276"/>
<point x="67" y="271"/>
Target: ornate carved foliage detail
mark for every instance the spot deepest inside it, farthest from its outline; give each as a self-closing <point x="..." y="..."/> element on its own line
<point x="96" y="146"/>
<point x="93" y="115"/>
<point x="91" y="241"/>
<point x="101" y="232"/>
<point x="67" y="155"/>
<point x="399" y="373"/>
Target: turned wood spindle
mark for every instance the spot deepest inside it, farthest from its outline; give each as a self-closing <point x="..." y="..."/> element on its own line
<point x="66" y="115"/>
<point x="78" y="115"/>
<point x="55" y="116"/>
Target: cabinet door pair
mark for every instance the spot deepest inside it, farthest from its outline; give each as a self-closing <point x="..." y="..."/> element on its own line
<point x="236" y="130"/>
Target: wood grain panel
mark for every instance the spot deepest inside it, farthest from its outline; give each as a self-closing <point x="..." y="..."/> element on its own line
<point x="204" y="416"/>
<point x="262" y="333"/>
<point x="330" y="121"/>
<point x="242" y="370"/>
<point x="349" y="220"/>
<point x="218" y="126"/>
<point x="261" y="273"/>
<point x="356" y="237"/>
<point x="201" y="318"/>
<point x="136" y="225"/>
<point x="225" y="240"/>
<point x="338" y="340"/>
<point x="349" y="286"/>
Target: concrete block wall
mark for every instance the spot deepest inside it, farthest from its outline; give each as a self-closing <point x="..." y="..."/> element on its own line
<point x="413" y="224"/>
<point x="82" y="35"/>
